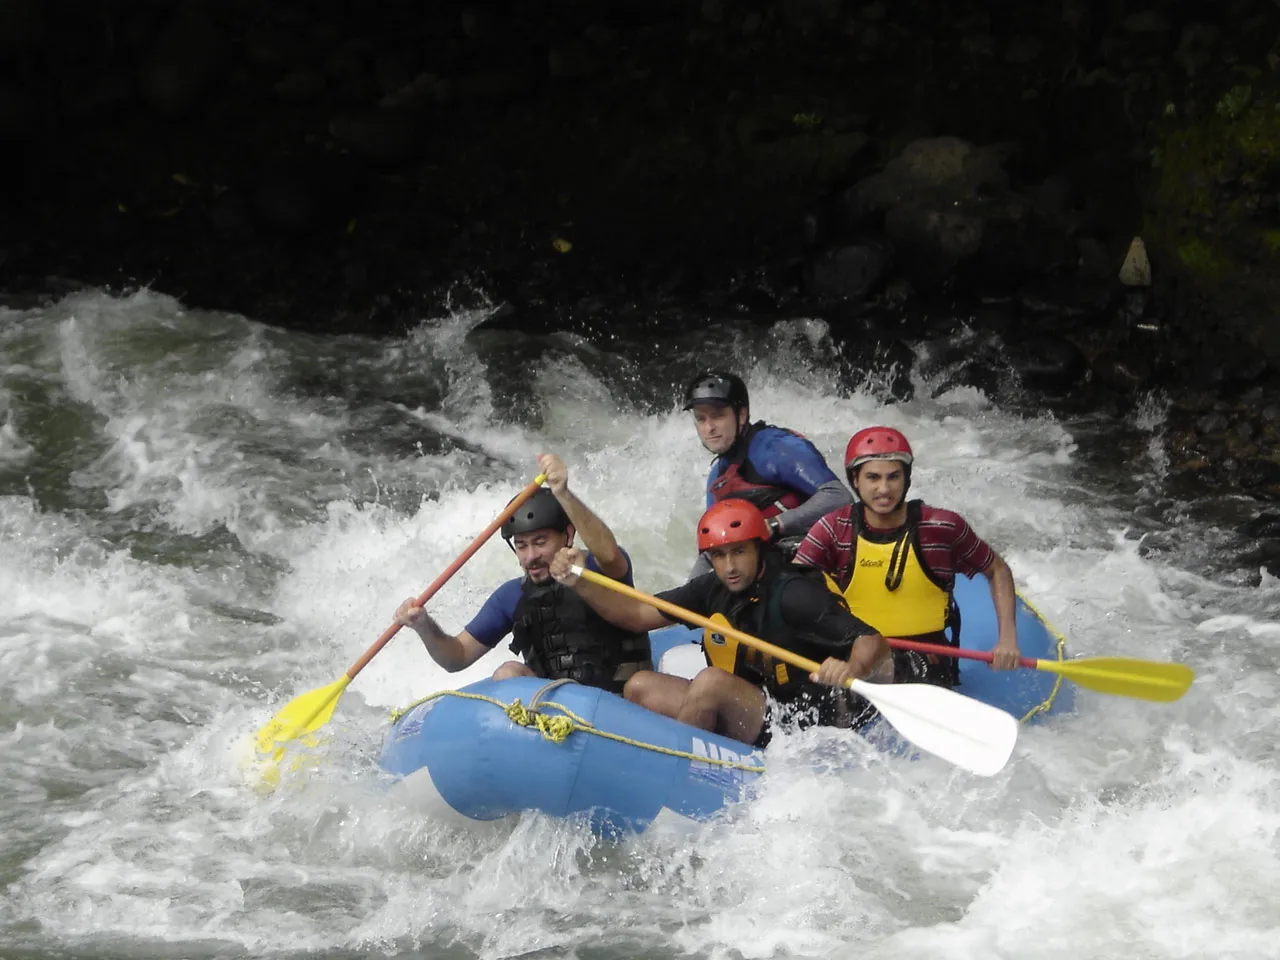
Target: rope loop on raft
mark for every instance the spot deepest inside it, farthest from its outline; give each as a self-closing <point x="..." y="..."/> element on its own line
<point x="558" y="727"/>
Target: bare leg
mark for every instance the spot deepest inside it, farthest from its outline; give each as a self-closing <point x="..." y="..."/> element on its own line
<point x="512" y="668"/>
<point x="720" y="702"/>
<point x="659" y="692"/>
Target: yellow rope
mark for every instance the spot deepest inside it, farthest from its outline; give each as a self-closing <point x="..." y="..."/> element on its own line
<point x="557" y="728"/>
<point x="1060" y="648"/>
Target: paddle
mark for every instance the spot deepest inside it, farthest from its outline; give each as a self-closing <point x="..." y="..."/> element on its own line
<point x="312" y="710"/>
<point x="1121" y="676"/>
<point x="964" y="731"/>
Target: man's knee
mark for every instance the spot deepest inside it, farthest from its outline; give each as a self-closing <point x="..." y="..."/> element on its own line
<point x="712" y="678"/>
<point x="712" y="685"/>
<point x="512" y="668"/>
<point x="640" y="686"/>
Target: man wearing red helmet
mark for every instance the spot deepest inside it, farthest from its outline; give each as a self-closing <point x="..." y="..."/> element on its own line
<point x="774" y="468"/>
<point x="742" y="694"/>
<point x="896" y="560"/>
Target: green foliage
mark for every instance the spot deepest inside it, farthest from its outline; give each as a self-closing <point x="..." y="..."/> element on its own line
<point x="1199" y="258"/>
<point x="1234" y="102"/>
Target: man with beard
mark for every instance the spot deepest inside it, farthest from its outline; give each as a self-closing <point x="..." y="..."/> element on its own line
<point x="776" y="469"/>
<point x="556" y="633"/>
<point x="743" y="694"/>
<point x="895" y="561"/>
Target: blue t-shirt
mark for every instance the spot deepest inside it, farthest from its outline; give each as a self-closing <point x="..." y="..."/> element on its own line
<point x="498" y="615"/>
<point x="783" y="459"/>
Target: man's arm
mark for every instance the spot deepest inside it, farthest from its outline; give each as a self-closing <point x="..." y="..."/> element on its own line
<point x="854" y="648"/>
<point x="1004" y="596"/>
<point x="971" y="554"/>
<point x="454" y="653"/>
<point x="818" y="549"/>
<point x="795" y="463"/>
<point x="830" y="496"/>
<point x="595" y="533"/>
<point x="630" y="614"/>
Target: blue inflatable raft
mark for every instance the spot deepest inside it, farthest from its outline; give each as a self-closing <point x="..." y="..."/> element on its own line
<point x="496" y="748"/>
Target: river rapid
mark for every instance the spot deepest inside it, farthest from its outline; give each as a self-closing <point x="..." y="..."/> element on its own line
<point x="202" y="517"/>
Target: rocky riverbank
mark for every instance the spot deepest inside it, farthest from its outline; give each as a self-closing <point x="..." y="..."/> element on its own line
<point x="890" y="168"/>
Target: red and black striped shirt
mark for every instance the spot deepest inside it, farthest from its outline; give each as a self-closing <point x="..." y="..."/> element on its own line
<point x="947" y="544"/>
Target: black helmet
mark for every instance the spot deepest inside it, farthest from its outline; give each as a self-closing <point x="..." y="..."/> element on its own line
<point x="542" y="511"/>
<point x="713" y="386"/>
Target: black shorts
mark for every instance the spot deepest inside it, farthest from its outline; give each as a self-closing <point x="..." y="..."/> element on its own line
<point x="909" y="666"/>
<point x="816" y="705"/>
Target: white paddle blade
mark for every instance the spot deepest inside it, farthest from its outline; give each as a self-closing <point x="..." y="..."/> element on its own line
<point x="969" y="733"/>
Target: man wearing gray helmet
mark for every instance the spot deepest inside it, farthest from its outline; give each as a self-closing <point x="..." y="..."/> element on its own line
<point x="558" y="634"/>
<point x="776" y="469"/>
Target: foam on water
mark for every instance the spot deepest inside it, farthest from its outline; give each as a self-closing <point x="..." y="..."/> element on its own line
<point x="202" y="518"/>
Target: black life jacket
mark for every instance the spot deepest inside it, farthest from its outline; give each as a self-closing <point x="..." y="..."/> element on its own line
<point x="759" y="613"/>
<point x="740" y="479"/>
<point x="561" y="637"/>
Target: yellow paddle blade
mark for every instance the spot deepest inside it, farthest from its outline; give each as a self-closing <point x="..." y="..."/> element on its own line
<point x="270" y="766"/>
<point x="1125" y="677"/>
<point x="301" y="715"/>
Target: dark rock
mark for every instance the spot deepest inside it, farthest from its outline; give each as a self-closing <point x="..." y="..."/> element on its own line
<point x="1263" y="526"/>
<point x="1093" y="261"/>
<point x="1212" y="424"/>
<point x="1243" y="432"/>
<point x="1264" y="553"/>
<point x="17" y="113"/>
<point x="1125" y="373"/>
<point x="931" y="242"/>
<point x="392" y="70"/>
<point x="183" y="62"/>
<point x="572" y="59"/>
<point x="286" y="206"/>
<point x="22" y="25"/>
<point x="383" y="136"/>
<point x="1259" y="472"/>
<point x="881" y="365"/>
<point x="230" y="218"/>
<point x="1133" y="305"/>
<point x="849" y="272"/>
<point x="300" y="84"/>
<point x="490" y="86"/>
<point x="478" y="23"/>
<point x="1052" y="364"/>
<point x="753" y="301"/>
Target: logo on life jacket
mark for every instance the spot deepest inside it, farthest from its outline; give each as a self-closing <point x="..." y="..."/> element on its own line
<point x="864" y="562"/>
<point x="718" y="649"/>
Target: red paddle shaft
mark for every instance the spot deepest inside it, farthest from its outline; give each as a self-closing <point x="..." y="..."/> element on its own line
<point x="944" y="651"/>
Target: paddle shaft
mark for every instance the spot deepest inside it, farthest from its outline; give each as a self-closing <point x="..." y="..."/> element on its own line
<point x="680" y="613"/>
<point x="1118" y="676"/>
<point x="945" y="651"/>
<point x="449" y="571"/>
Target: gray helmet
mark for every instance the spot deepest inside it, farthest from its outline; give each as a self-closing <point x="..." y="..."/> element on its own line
<point x="542" y="511"/>
<point x="714" y="386"/>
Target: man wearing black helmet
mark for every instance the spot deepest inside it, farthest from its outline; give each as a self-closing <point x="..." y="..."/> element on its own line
<point x="774" y="468"/>
<point x="555" y="631"/>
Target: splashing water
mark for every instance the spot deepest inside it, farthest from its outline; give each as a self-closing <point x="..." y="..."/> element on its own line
<point x="201" y="518"/>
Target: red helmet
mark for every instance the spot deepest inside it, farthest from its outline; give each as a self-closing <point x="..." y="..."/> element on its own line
<point x="731" y="521"/>
<point x="877" y="443"/>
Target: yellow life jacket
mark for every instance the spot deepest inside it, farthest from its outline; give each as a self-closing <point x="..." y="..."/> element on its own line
<point x="733" y="657"/>
<point x="889" y="587"/>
